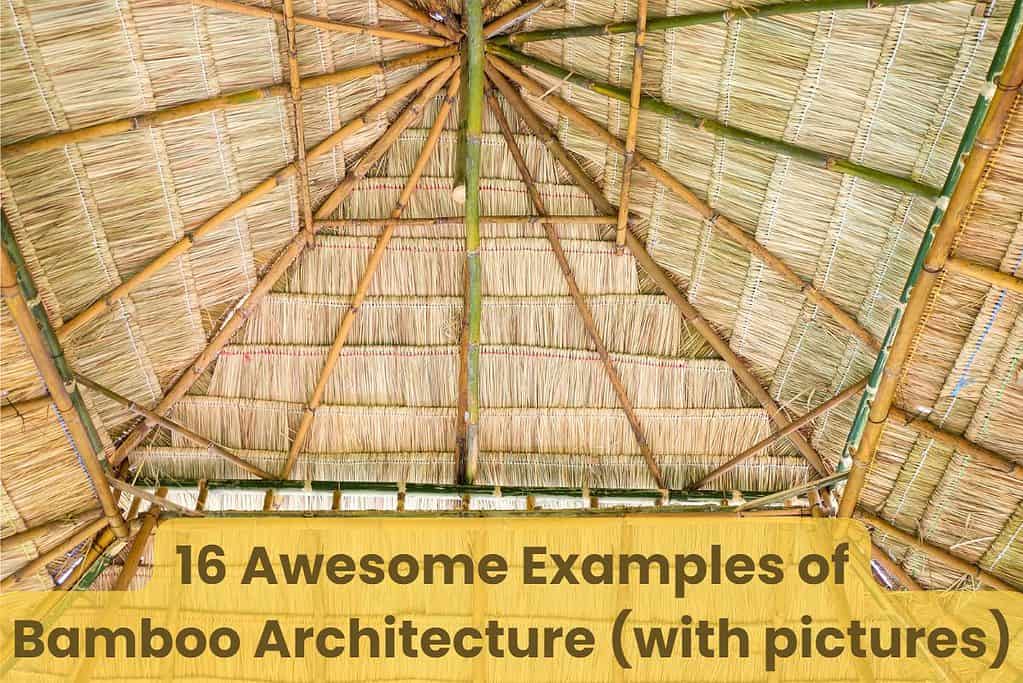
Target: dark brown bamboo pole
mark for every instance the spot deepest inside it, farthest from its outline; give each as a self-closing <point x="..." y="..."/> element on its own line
<point x="642" y="256"/>
<point x="909" y="318"/>
<point x="573" y="289"/>
<point x="516" y="16"/>
<point x="160" y="501"/>
<point x="984" y="274"/>
<point x="200" y="498"/>
<point x="720" y="222"/>
<point x="940" y="554"/>
<point x="458" y="220"/>
<point x="804" y="419"/>
<point x="183" y="245"/>
<point x="423" y="19"/>
<point x="341" y="338"/>
<point x="36" y="346"/>
<point x="635" y="93"/>
<point x="56" y="140"/>
<point x="66" y="524"/>
<point x="893" y="568"/>
<point x="13" y="409"/>
<point x="30" y="569"/>
<point x="173" y="427"/>
<point x="295" y="86"/>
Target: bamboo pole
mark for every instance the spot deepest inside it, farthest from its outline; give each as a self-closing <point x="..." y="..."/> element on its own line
<point x="945" y="557"/>
<point x="341" y="337"/>
<point x="516" y="16"/>
<point x="636" y="247"/>
<point x="635" y="93"/>
<point x="740" y="13"/>
<point x="133" y="559"/>
<point x="893" y="568"/>
<point x="18" y="408"/>
<point x="676" y="511"/>
<point x="40" y="531"/>
<point x="982" y="136"/>
<point x="1006" y="281"/>
<point x="174" y="427"/>
<point x="761" y="445"/>
<point x="732" y="230"/>
<point x="140" y="492"/>
<point x="458" y="172"/>
<point x="183" y="245"/>
<point x="573" y="289"/>
<point x="295" y="84"/>
<point x="56" y="140"/>
<point x="423" y="19"/>
<point x="66" y="544"/>
<point x="799" y="489"/>
<point x="317" y="22"/>
<point x="459" y="220"/>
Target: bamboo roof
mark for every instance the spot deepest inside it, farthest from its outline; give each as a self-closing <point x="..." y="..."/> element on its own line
<point x="739" y="209"/>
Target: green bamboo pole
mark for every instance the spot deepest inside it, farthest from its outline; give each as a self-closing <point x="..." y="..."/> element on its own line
<point x="652" y="104"/>
<point x="744" y="12"/>
<point x="473" y="140"/>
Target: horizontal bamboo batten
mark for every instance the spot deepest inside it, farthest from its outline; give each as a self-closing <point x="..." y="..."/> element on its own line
<point x="21" y="407"/>
<point x="739" y="13"/>
<point x="623" y="511"/>
<point x="458" y="220"/>
<point x="516" y="16"/>
<point x="183" y="245"/>
<point x="577" y="296"/>
<point x="423" y="19"/>
<point x="42" y="530"/>
<point x="1006" y="281"/>
<point x="982" y="135"/>
<point x="317" y="22"/>
<point x="689" y="312"/>
<point x="56" y="140"/>
<point x="732" y="230"/>
<point x="66" y="545"/>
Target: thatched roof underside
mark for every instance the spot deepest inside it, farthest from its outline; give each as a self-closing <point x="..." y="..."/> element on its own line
<point x="889" y="88"/>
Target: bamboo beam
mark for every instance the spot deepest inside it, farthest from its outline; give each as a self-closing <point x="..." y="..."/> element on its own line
<point x="268" y="185"/>
<point x="161" y="501"/>
<point x="573" y="289"/>
<point x="43" y="355"/>
<point x="18" y="408"/>
<point x="341" y="337"/>
<point x="133" y="559"/>
<point x="173" y="427"/>
<point x="56" y="140"/>
<point x="66" y="544"/>
<point x="732" y="230"/>
<point x="982" y="136"/>
<point x="740" y="13"/>
<point x="636" y="247"/>
<point x="40" y="531"/>
<point x="459" y="220"/>
<point x="240" y="315"/>
<point x="782" y="496"/>
<point x="423" y="19"/>
<point x="893" y="568"/>
<point x="678" y="511"/>
<point x="516" y="16"/>
<point x="473" y="97"/>
<point x="295" y="84"/>
<point x="761" y="445"/>
<point x="934" y="552"/>
<point x="635" y="94"/>
<point x="317" y="22"/>
<point x="976" y="271"/>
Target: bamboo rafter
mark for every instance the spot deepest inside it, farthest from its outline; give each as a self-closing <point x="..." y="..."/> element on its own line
<point x="341" y="337"/>
<point x="295" y="84"/>
<point x="720" y="222"/>
<point x="632" y="128"/>
<point x="67" y="524"/>
<point x="1006" y="281"/>
<point x="636" y="247"/>
<point x="423" y="19"/>
<point x="577" y="297"/>
<point x="516" y="16"/>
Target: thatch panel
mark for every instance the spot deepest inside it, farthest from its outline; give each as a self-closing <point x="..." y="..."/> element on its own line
<point x="261" y="140"/>
<point x="244" y="51"/>
<point x="26" y="89"/>
<point x="20" y="379"/>
<point x="488" y="231"/>
<point x="996" y="422"/>
<point x="1005" y="554"/>
<point x="811" y="359"/>
<point x="831" y="430"/>
<point x="434" y="268"/>
<point x="918" y="464"/>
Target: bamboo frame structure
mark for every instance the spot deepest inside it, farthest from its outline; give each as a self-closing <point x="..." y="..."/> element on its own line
<point x="127" y="124"/>
<point x="341" y="337"/>
<point x="739" y="13"/>
<point x="632" y="127"/>
<point x="295" y="84"/>
<point x="66" y="545"/>
<point x="423" y="19"/>
<point x="13" y="408"/>
<point x="779" y="496"/>
<point x="804" y="419"/>
<point x="516" y="16"/>
<point x="459" y="220"/>
<point x="689" y="312"/>
<point x="316" y="22"/>
<point x="991" y="276"/>
<point x="720" y="222"/>
<point x="589" y="512"/>
<point x="577" y="297"/>
<point x="983" y="132"/>
<point x="134" y="557"/>
<point x="161" y="501"/>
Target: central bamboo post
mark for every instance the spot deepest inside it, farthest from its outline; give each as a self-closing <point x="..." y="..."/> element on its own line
<point x="635" y="93"/>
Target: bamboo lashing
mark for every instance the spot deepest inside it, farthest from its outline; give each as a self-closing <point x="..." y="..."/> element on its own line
<point x="458" y="220"/>
<point x="43" y="530"/>
<point x="632" y="128"/>
<point x="636" y="247"/>
<point x="66" y="544"/>
<point x="423" y="19"/>
<point x="174" y="427"/>
<point x="981" y="138"/>
<point x="800" y="421"/>
<point x="341" y="338"/>
<point x="516" y="16"/>
<point x="12" y="409"/>
<point x="318" y="23"/>
<point x="1006" y="281"/>
<point x="577" y="297"/>
<point x="44" y="143"/>
<point x="295" y="84"/>
<point x="893" y="568"/>
<point x="720" y="222"/>
<point x="161" y="501"/>
<point x="183" y="245"/>
<point x="244" y="310"/>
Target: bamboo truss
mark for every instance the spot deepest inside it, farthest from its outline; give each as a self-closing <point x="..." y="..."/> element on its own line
<point x="134" y="557"/>
<point x="577" y="297"/>
<point x="632" y="127"/>
<point x="295" y="84"/>
<point x="983" y="132"/>
<point x="991" y="276"/>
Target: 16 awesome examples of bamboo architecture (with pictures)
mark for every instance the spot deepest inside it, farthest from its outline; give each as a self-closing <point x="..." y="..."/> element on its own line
<point x="492" y="257"/>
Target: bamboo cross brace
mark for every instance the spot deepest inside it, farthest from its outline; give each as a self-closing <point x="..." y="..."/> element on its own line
<point x="295" y="82"/>
<point x="742" y="12"/>
<point x="174" y="427"/>
<point x="239" y="316"/>
<point x="516" y="16"/>
<point x="316" y="22"/>
<point x="635" y="93"/>
<point x="689" y="312"/>
<point x="716" y="220"/>
<point x="341" y="337"/>
<point x="423" y="19"/>
<point x="183" y="245"/>
<point x="577" y="297"/>
<point x="56" y="140"/>
<point x="154" y="499"/>
<point x="763" y="444"/>
<point x="64" y="546"/>
<point x="1006" y="281"/>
